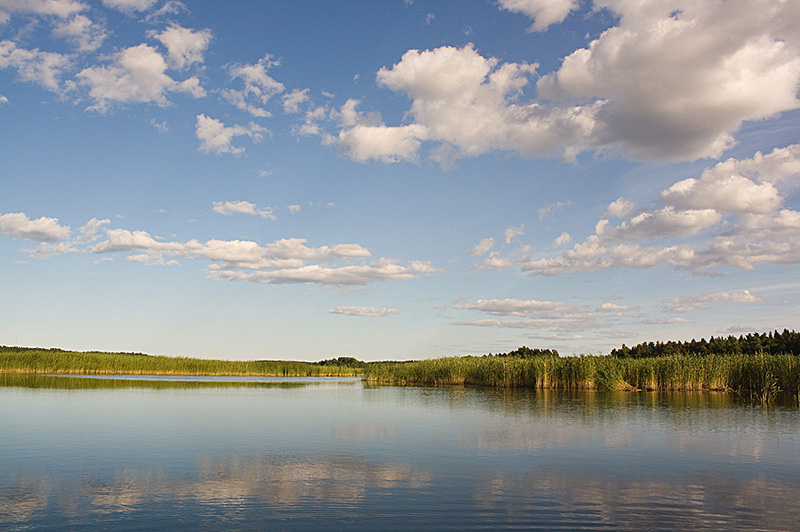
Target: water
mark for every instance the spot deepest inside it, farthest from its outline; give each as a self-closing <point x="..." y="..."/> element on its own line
<point x="335" y="454"/>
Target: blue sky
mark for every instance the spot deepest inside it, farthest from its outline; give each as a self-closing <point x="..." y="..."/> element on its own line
<point x="396" y="179"/>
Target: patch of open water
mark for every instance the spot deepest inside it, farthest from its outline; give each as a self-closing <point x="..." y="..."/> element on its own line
<point x="215" y="454"/>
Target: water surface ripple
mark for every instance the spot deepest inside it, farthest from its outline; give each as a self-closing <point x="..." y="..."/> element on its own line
<point x="226" y="454"/>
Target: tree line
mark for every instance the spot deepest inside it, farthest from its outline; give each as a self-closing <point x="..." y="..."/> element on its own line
<point x="772" y="343"/>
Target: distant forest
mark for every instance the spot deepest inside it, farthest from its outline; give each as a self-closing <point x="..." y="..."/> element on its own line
<point x="773" y="343"/>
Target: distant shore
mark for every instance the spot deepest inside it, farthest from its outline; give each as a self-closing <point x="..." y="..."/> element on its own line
<point x="761" y="375"/>
<point x="56" y="361"/>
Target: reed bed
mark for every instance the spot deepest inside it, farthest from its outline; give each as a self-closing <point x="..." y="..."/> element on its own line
<point x="95" y="363"/>
<point x="741" y="373"/>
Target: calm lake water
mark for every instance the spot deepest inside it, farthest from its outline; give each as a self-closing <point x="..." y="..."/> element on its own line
<point x="162" y="453"/>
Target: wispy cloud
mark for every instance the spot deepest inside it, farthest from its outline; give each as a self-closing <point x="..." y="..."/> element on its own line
<point x="366" y="312"/>
<point x="284" y="261"/>
<point x="243" y="207"/>
<point x="216" y="137"/>
<point x="732" y="216"/>
<point x="703" y="300"/>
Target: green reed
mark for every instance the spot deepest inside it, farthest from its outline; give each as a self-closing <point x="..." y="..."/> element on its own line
<point x="25" y="360"/>
<point x="755" y="374"/>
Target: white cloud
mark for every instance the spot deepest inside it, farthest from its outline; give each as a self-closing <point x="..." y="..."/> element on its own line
<point x="216" y="137"/>
<point x="368" y="312"/>
<point x="243" y="207"/>
<point x="88" y="233"/>
<point x="615" y="308"/>
<point x="3" y="99"/>
<point x="560" y="318"/>
<point x="294" y="209"/>
<point x="259" y="86"/>
<point x="514" y="232"/>
<point x="42" y="229"/>
<point x="530" y="307"/>
<point x="482" y="247"/>
<point x="185" y="46"/>
<point x="666" y="222"/>
<point x="292" y="101"/>
<point x="155" y="259"/>
<point x="170" y="7"/>
<point x="544" y="12"/>
<point x="731" y="194"/>
<point x="137" y="75"/>
<point x="547" y="211"/>
<point x="423" y="267"/>
<point x="81" y="32"/>
<point x="620" y="208"/>
<point x="564" y="238"/>
<point x="673" y="80"/>
<point x="733" y="212"/>
<point x="385" y="144"/>
<point x="33" y="66"/>
<point x="382" y="270"/>
<point x="58" y="8"/>
<point x="671" y="321"/>
<point x="701" y="301"/>
<point x="129" y="6"/>
<point x="280" y="262"/>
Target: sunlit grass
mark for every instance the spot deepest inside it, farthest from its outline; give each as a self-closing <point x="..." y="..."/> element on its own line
<point x="757" y="374"/>
<point x="26" y="360"/>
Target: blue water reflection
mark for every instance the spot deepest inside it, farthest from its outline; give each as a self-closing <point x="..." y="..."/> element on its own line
<point x="335" y="454"/>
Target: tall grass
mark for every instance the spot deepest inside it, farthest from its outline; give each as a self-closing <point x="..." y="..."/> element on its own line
<point x="67" y="382"/>
<point x="744" y="373"/>
<point x="25" y="360"/>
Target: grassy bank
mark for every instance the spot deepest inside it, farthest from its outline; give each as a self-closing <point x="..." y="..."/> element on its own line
<point x="26" y="360"/>
<point x="743" y="373"/>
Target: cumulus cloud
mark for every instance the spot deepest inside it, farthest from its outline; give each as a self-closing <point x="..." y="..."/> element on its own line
<point x="482" y="247"/>
<point x="259" y="86"/>
<point x="676" y="79"/>
<point x="33" y="66"/>
<point x="185" y="46"/>
<point x="732" y="216"/>
<point x="282" y="261"/>
<point x="367" y="312"/>
<point x="620" y="208"/>
<point x="58" y="8"/>
<point x="216" y="137"/>
<point x="731" y="194"/>
<point x="293" y="100"/>
<point x="89" y="232"/>
<point x="129" y="6"/>
<point x="81" y="32"/>
<point x="514" y="232"/>
<point x="381" y="143"/>
<point x="544" y="12"/>
<point x="671" y="80"/>
<point x="702" y="301"/>
<point x="42" y="229"/>
<point x="243" y="207"/>
<point x="562" y="239"/>
<point x="136" y="75"/>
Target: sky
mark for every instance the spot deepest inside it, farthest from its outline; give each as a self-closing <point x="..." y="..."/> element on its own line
<point x="303" y="180"/>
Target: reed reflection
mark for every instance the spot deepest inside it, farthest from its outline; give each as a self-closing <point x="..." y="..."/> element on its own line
<point x="270" y="486"/>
